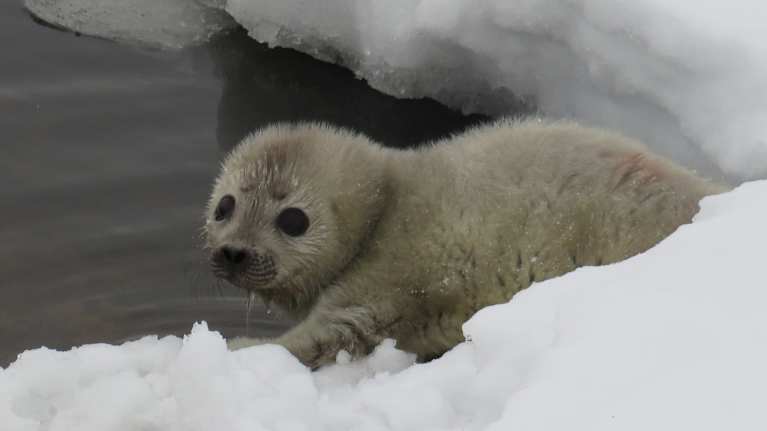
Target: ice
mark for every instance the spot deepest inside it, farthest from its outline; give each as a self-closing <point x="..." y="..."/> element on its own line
<point x="155" y="23"/>
<point x="684" y="76"/>
<point x="675" y="338"/>
<point x="687" y="76"/>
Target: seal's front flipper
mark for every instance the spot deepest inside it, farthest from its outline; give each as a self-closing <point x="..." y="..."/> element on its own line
<point x="238" y="343"/>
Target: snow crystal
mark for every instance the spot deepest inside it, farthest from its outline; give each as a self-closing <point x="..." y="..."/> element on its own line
<point x="675" y="338"/>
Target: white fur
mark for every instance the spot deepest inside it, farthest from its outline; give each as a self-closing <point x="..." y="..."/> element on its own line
<point x="409" y="244"/>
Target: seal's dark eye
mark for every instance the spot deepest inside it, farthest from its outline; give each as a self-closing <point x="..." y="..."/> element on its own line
<point x="293" y="221"/>
<point x="225" y="208"/>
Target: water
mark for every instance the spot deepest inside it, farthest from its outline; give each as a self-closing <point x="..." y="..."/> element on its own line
<point x="107" y="153"/>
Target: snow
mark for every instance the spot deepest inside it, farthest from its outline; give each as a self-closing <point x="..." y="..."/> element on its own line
<point x="675" y="338"/>
<point x="681" y="75"/>
<point x="686" y="76"/>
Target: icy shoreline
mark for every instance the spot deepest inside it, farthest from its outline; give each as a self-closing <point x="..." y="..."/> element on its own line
<point x="678" y="76"/>
<point x="169" y="24"/>
<point x="685" y="77"/>
<point x="675" y="338"/>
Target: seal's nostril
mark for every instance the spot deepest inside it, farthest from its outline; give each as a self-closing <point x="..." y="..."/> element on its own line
<point x="234" y="255"/>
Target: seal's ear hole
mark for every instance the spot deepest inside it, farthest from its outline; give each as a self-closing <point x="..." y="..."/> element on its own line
<point x="293" y="222"/>
<point x="225" y="208"/>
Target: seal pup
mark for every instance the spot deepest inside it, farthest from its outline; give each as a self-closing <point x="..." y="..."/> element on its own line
<point x="364" y="243"/>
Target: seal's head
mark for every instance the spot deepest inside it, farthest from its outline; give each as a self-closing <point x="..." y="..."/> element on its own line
<point x="291" y="208"/>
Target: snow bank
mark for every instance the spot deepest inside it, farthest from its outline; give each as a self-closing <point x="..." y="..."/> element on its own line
<point x="675" y="338"/>
<point x="685" y="76"/>
<point x="673" y="73"/>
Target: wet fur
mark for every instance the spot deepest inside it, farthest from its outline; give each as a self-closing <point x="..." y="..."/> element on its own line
<point x="410" y="244"/>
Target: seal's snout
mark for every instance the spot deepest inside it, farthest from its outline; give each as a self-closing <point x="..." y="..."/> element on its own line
<point x="243" y="267"/>
<point x="230" y="261"/>
<point x="234" y="256"/>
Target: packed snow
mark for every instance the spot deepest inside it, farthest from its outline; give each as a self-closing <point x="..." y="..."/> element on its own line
<point x="675" y="338"/>
<point x="685" y="76"/>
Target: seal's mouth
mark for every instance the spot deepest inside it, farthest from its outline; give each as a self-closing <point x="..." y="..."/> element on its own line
<point x="243" y="268"/>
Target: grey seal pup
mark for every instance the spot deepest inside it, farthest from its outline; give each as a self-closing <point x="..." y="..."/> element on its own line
<point x="364" y="243"/>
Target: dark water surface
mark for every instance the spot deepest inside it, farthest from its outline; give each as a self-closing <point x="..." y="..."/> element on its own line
<point x="107" y="153"/>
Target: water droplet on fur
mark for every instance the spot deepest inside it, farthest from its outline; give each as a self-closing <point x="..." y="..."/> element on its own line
<point x="251" y="299"/>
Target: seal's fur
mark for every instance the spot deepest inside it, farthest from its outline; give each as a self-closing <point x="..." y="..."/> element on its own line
<point x="408" y="244"/>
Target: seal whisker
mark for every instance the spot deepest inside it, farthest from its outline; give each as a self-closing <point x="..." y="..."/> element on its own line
<point x="251" y="300"/>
